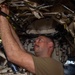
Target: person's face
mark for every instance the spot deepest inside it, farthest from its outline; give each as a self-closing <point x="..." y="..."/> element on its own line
<point x="41" y="45"/>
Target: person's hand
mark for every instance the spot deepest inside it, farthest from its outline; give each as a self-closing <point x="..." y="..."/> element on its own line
<point x="4" y="9"/>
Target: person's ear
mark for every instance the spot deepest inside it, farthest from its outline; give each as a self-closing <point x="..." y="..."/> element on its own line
<point x="50" y="44"/>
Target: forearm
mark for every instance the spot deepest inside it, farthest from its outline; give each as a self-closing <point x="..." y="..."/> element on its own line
<point x="7" y="38"/>
<point x="16" y="38"/>
<point x="5" y="10"/>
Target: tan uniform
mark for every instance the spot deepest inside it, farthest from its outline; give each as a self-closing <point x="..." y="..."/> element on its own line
<point x="47" y="66"/>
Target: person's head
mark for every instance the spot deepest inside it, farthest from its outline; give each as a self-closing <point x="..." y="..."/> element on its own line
<point x="43" y="46"/>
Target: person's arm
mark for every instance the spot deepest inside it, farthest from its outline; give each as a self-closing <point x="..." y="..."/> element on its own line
<point x="12" y="48"/>
<point x="16" y="37"/>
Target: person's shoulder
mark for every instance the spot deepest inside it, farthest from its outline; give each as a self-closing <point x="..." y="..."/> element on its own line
<point x="47" y="59"/>
<point x="55" y="61"/>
